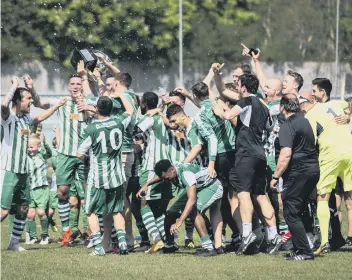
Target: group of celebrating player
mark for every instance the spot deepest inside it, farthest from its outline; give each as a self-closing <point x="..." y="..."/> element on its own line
<point x="259" y="161"/>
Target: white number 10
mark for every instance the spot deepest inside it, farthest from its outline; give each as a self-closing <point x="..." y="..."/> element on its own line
<point x="113" y="133"/>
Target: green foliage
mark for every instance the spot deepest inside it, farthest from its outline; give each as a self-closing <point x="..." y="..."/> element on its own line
<point x="147" y="31"/>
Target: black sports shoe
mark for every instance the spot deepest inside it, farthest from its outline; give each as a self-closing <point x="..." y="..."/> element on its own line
<point x="143" y="247"/>
<point x="301" y="257"/>
<point x="189" y="244"/>
<point x="348" y="242"/>
<point x="170" y="250"/>
<point x="292" y="254"/>
<point x="337" y="244"/>
<point x="75" y="235"/>
<point x="274" y="244"/>
<point x="220" y="250"/>
<point x="235" y="243"/>
<point x="123" y="252"/>
<point x="246" y="241"/>
<point x="206" y="253"/>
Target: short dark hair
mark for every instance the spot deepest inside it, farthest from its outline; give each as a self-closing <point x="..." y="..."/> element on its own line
<point x="124" y="78"/>
<point x="178" y="94"/>
<point x="104" y="106"/>
<point x="75" y="75"/>
<point x="290" y="103"/>
<point x="200" y="90"/>
<point x="250" y="81"/>
<point x="323" y="84"/>
<point x="173" y="109"/>
<point x="298" y="78"/>
<point x="150" y="99"/>
<point x="231" y="86"/>
<point x="162" y="166"/>
<point x="17" y="96"/>
<point x="246" y="68"/>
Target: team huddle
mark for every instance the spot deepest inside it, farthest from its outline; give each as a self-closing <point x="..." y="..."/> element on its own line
<point x="259" y="158"/>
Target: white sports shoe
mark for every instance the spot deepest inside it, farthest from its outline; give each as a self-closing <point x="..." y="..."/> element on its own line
<point x="32" y="241"/>
<point x="44" y="241"/>
<point x="90" y="244"/>
<point x="15" y="246"/>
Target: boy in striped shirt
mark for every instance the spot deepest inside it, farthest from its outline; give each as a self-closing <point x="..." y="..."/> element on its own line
<point x="16" y="124"/>
<point x="39" y="188"/>
<point x="103" y="139"/>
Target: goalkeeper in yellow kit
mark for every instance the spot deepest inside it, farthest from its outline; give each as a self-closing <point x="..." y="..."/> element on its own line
<point x="335" y="153"/>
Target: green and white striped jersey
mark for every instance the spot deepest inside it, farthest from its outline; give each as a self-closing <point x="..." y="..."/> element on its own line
<point x="155" y="141"/>
<point x="194" y="138"/>
<point x="38" y="170"/>
<point x="178" y="146"/>
<point x="103" y="138"/>
<point x="219" y="133"/>
<point x="189" y="174"/>
<point x="118" y="109"/>
<point x="72" y="123"/>
<point x="14" y="143"/>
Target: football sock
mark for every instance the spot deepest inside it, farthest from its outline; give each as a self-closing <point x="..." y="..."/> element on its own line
<point x="272" y="232"/>
<point x="84" y="219"/>
<point x="44" y="222"/>
<point x="121" y="235"/>
<point x="74" y="217"/>
<point x="114" y="238"/>
<point x="189" y="226"/>
<point x="101" y="224"/>
<point x="160" y="225"/>
<point x="96" y="238"/>
<point x="247" y="229"/>
<point x="64" y="214"/>
<point x="32" y="229"/>
<point x="283" y="228"/>
<point x="149" y="222"/>
<point x="18" y="227"/>
<point x="323" y="213"/>
<point x="206" y="242"/>
<point x="208" y="226"/>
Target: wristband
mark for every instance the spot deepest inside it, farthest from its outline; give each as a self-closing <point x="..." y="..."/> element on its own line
<point x="275" y="178"/>
<point x="84" y="78"/>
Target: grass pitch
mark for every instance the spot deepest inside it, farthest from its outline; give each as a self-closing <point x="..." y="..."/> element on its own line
<point x="53" y="262"/>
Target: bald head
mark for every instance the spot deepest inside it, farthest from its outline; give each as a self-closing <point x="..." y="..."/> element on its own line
<point x="272" y="89"/>
<point x="306" y="106"/>
<point x="308" y="95"/>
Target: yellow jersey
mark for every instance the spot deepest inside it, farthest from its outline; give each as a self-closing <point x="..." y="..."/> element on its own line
<point x="334" y="140"/>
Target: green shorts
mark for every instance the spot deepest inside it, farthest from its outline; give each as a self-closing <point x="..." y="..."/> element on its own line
<point x="14" y="189"/>
<point x="76" y="189"/>
<point x="205" y="198"/>
<point x="53" y="199"/>
<point x="67" y="167"/>
<point x="104" y="201"/>
<point x="39" y="198"/>
<point x="162" y="190"/>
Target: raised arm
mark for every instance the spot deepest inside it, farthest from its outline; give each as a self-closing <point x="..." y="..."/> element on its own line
<point x="220" y="84"/>
<point x="47" y="113"/>
<point x="186" y="94"/>
<point x="5" y="104"/>
<point x="37" y="101"/>
<point x="263" y="80"/>
<point x="84" y="75"/>
<point x="109" y="65"/>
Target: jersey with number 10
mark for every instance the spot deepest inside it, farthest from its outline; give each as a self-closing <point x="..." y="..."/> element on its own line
<point x="103" y="139"/>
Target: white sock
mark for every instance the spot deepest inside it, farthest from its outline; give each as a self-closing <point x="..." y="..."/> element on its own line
<point x="272" y="231"/>
<point x="247" y="229"/>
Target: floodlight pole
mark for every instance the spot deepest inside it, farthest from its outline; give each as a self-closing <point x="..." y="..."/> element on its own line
<point x="337" y="46"/>
<point x="180" y="41"/>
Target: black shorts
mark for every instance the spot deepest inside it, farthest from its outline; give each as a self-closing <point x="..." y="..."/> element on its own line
<point x="223" y="165"/>
<point x="248" y="175"/>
